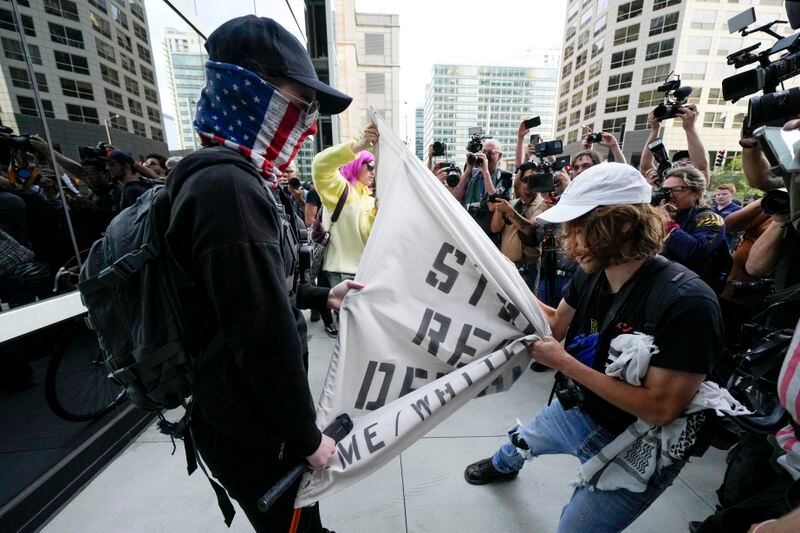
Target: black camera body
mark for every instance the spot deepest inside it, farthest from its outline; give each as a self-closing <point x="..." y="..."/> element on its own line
<point x="439" y="149"/>
<point x="543" y="178"/>
<point x="88" y="153"/>
<point x="475" y="144"/>
<point x="658" y="196"/>
<point x="594" y="138"/>
<point x="661" y="156"/>
<point x="675" y="97"/>
<point x="772" y="109"/>
<point x="453" y="175"/>
<point x="775" y="202"/>
<point x="569" y="394"/>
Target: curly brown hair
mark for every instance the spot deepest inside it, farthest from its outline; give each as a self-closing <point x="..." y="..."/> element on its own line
<point x="616" y="234"/>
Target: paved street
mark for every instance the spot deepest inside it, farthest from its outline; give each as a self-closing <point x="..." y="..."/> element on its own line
<point x="147" y="490"/>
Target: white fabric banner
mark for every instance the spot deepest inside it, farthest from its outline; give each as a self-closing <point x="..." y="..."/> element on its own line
<point x="444" y="318"/>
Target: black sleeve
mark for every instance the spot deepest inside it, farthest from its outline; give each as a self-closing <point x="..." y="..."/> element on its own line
<point x="242" y="269"/>
<point x="689" y="335"/>
<point x="574" y="288"/>
<point x="312" y="297"/>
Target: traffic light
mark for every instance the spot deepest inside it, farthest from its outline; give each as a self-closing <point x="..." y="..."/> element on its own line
<point x="720" y="158"/>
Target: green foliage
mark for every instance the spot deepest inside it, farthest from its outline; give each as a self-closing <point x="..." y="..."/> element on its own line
<point x="731" y="172"/>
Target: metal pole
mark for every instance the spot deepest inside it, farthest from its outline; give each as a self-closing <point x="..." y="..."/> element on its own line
<point x="40" y="109"/>
<point x="108" y="132"/>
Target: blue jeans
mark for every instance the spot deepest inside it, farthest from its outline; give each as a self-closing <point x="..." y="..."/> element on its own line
<point x="573" y="432"/>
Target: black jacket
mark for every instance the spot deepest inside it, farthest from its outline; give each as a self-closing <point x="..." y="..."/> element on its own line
<point x="226" y="235"/>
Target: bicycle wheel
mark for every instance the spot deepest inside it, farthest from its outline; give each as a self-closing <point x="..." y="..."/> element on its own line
<point x="76" y="384"/>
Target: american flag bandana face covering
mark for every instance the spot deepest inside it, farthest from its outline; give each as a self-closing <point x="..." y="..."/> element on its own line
<point x="244" y="112"/>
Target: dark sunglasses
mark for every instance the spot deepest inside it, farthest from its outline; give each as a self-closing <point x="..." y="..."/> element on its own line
<point x="678" y="188"/>
<point x="370" y="165"/>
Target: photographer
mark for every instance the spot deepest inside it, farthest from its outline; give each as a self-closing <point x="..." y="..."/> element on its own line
<point x="120" y="166"/>
<point x="696" y="155"/>
<point x="696" y="235"/>
<point x="515" y="222"/>
<point x="614" y="234"/>
<point x="480" y="179"/>
<point x="606" y="140"/>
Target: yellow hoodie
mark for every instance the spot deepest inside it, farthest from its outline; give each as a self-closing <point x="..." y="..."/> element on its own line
<point x="352" y="229"/>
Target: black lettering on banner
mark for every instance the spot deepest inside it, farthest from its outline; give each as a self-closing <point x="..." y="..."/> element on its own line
<point x="462" y="348"/>
<point x="509" y="312"/>
<point x="442" y="394"/>
<point x="450" y="273"/>
<point x="408" y="381"/>
<point x="346" y="455"/>
<point x="419" y="405"/>
<point x="488" y="364"/>
<point x="369" y="435"/>
<point x="497" y="384"/>
<point x="476" y="296"/>
<point x="516" y="372"/>
<point x="388" y="372"/>
<point x="466" y="378"/>
<point x="436" y="336"/>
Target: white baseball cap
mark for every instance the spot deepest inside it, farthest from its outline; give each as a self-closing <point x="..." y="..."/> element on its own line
<point x="603" y="184"/>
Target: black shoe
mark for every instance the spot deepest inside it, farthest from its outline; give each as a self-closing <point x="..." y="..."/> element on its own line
<point x="539" y="367"/>
<point x="484" y="472"/>
<point x="331" y="330"/>
<point x="314" y="315"/>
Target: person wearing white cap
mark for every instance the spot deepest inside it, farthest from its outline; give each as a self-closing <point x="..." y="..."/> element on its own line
<point x="622" y="287"/>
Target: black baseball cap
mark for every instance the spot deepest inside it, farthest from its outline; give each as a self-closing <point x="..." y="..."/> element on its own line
<point x="249" y="40"/>
<point x="680" y="154"/>
<point x="119" y="156"/>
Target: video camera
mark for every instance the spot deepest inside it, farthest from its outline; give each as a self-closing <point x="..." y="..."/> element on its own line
<point x="88" y="153"/>
<point x="16" y="151"/>
<point x="774" y="107"/>
<point x="674" y="98"/>
<point x="475" y="143"/>
<point x="543" y="179"/>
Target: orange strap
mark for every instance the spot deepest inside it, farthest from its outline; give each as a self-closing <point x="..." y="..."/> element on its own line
<point x="295" y="521"/>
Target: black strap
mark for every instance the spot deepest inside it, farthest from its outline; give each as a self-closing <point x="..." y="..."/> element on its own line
<point x="340" y="205"/>
<point x="193" y="460"/>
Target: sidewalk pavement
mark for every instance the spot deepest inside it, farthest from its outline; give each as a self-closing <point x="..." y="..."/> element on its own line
<point x="146" y="490"/>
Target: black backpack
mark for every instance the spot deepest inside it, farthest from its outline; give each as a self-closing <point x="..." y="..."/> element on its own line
<point x="127" y="286"/>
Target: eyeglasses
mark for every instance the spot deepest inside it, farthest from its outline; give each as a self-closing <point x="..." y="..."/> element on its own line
<point x="677" y="188"/>
<point x="311" y="108"/>
<point x="490" y="152"/>
<point x="370" y="165"/>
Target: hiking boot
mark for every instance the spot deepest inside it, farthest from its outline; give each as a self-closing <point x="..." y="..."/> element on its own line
<point x="331" y="330"/>
<point x="484" y="472"/>
<point x="315" y="316"/>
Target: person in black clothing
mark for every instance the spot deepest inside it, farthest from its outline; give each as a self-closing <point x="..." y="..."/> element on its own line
<point x="614" y="235"/>
<point x="312" y="207"/>
<point x="235" y="247"/>
<point x="120" y="166"/>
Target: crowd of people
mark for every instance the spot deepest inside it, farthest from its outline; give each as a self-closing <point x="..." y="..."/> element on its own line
<point x="40" y="229"/>
<point x="608" y="250"/>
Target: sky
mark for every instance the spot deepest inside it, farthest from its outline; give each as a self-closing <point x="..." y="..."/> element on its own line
<point x="495" y="32"/>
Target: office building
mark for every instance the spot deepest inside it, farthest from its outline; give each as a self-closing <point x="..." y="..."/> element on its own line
<point x="495" y="98"/>
<point x="419" y="132"/>
<point x="367" y="66"/>
<point x="186" y="58"/>
<point x="93" y="69"/>
<point x="617" y="53"/>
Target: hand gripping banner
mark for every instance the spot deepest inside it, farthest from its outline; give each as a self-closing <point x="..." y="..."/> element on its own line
<point x="444" y="318"/>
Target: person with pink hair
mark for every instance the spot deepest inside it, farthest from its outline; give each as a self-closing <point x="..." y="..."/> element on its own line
<point x="346" y="166"/>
